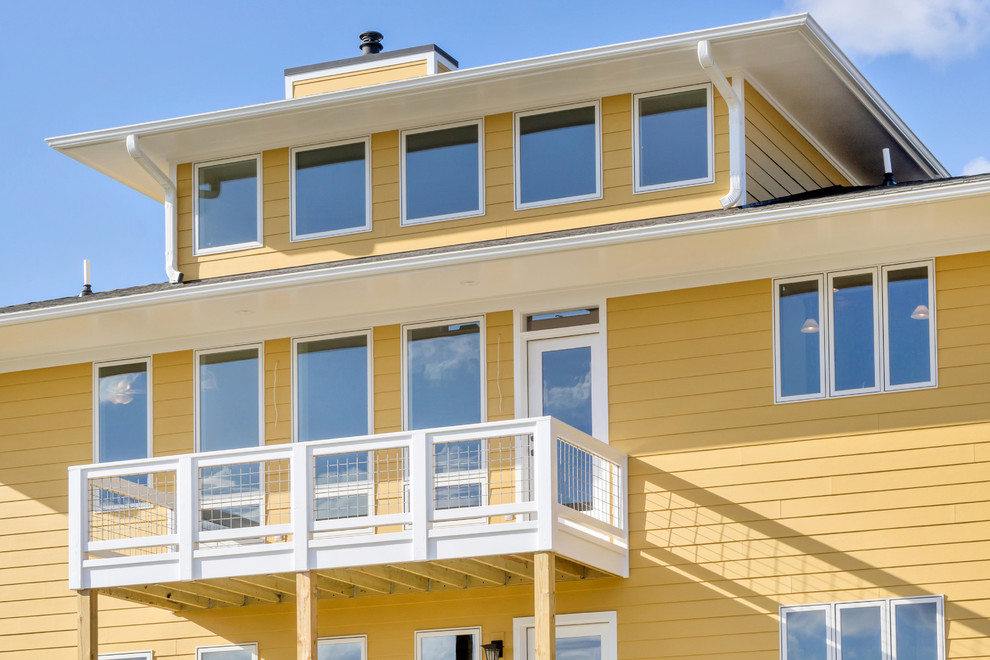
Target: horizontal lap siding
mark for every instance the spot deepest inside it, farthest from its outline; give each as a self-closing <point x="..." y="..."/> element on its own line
<point x="779" y="160"/>
<point x="500" y="220"/>
<point x="738" y="506"/>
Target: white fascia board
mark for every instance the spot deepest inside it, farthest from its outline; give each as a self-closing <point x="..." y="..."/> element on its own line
<point x="735" y="220"/>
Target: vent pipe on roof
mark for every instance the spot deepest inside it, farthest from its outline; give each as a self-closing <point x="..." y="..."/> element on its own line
<point x="888" y="171"/>
<point x="171" y="212"/>
<point x="371" y="42"/>
<point x="733" y="95"/>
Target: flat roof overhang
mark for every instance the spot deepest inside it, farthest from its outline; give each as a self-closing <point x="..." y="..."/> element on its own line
<point x="550" y="272"/>
<point x="789" y="59"/>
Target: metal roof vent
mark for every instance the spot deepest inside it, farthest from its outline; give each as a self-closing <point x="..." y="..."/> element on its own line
<point x="371" y="42"/>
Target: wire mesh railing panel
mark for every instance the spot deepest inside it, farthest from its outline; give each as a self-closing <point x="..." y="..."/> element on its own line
<point x="588" y="482"/>
<point x="244" y="495"/>
<point x="132" y="506"/>
<point x="391" y="472"/>
<point x="482" y="472"/>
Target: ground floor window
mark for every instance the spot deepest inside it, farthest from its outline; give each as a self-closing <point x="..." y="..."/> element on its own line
<point x="133" y="655"/>
<point x="354" y="647"/>
<point x="890" y="629"/>
<point x="585" y="636"/>
<point x="228" y="652"/>
<point x="450" y="644"/>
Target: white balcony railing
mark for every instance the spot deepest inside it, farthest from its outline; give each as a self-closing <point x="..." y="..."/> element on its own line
<point x="469" y="491"/>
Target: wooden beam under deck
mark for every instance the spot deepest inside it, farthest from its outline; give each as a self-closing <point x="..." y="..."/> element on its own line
<point x="88" y="623"/>
<point x="411" y="577"/>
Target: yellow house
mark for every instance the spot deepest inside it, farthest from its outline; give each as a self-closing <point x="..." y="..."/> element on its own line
<point x="670" y="349"/>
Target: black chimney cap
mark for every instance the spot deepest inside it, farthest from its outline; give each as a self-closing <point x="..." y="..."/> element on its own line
<point x="371" y="42"/>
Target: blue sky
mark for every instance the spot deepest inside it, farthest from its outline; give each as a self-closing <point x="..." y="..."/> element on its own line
<point x="68" y="67"/>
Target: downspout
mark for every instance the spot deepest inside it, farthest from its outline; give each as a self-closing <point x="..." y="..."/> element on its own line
<point x="733" y="95"/>
<point x="171" y="213"/>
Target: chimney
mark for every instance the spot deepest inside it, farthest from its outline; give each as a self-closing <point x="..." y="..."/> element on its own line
<point x="371" y="42"/>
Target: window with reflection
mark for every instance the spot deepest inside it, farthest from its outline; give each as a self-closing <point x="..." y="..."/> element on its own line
<point x="558" y="156"/>
<point x="673" y="139"/>
<point x="343" y="648"/>
<point x="228" y="652"/>
<point x="228" y="207"/>
<point x="332" y="381"/>
<point x="879" y="324"/>
<point x="331" y="190"/>
<point x="123" y="411"/>
<point x="442" y="173"/>
<point x="457" y="644"/>
<point x="229" y="387"/>
<point x="889" y="629"/>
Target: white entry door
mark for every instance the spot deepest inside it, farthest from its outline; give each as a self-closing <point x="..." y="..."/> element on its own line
<point x="566" y="381"/>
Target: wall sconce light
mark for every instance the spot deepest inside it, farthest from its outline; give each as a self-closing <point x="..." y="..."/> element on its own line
<point x="920" y="312"/>
<point x="810" y="327"/>
<point x="493" y="649"/>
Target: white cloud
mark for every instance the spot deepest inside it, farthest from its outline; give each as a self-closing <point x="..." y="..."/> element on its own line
<point x="568" y="398"/>
<point x="940" y="30"/>
<point x="978" y="165"/>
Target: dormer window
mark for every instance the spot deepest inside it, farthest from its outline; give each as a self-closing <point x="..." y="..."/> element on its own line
<point x="227" y="214"/>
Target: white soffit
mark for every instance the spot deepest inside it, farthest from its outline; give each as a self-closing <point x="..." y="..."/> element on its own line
<point x="789" y="58"/>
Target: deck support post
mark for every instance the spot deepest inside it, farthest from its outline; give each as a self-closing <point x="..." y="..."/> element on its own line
<point x="88" y="623"/>
<point x="545" y="591"/>
<point x="306" y="615"/>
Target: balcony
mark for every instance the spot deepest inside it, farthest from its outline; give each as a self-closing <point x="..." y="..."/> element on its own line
<point x="403" y="512"/>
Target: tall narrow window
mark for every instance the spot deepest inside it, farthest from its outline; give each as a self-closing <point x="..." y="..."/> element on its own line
<point x="910" y="316"/>
<point x="855" y="348"/>
<point x="227" y="205"/>
<point x="443" y="375"/>
<point x="558" y="156"/>
<point x="229" y="399"/>
<point x="673" y="139"/>
<point x="331" y="190"/>
<point x="799" y="339"/>
<point x="332" y="387"/>
<point x="442" y="173"/>
<point x="123" y="419"/>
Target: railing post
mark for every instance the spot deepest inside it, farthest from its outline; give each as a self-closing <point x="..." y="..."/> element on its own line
<point x="78" y="526"/>
<point x="545" y="482"/>
<point x="301" y="498"/>
<point x="420" y="490"/>
<point x="186" y="498"/>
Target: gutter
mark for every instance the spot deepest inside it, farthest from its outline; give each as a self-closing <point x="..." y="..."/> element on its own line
<point x="733" y="95"/>
<point x="171" y="212"/>
<point x="739" y="219"/>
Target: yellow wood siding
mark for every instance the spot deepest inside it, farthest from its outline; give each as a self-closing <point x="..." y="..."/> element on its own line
<point x="779" y="160"/>
<point x="387" y="354"/>
<point x="172" y="408"/>
<point x="500" y="220"/>
<point x="363" y="78"/>
<point x="278" y="391"/>
<point x="499" y="367"/>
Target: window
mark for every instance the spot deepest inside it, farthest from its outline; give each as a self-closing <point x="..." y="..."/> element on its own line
<point x="444" y="387"/>
<point x="136" y="655"/>
<point x="333" y="387"/>
<point x="873" y="330"/>
<point x="558" y="156"/>
<point x="227" y="213"/>
<point x="891" y="629"/>
<point x="453" y="644"/>
<point x="331" y="190"/>
<point x="123" y="411"/>
<point x="584" y="636"/>
<point x="343" y="648"/>
<point x="228" y="652"/>
<point x="442" y="173"/>
<point x="672" y="132"/>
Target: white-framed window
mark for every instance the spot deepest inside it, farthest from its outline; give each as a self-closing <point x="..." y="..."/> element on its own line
<point x="579" y="636"/>
<point x="133" y="655"/>
<point x="442" y="172"/>
<point x="444" y="385"/>
<point x="333" y="390"/>
<point x="887" y="629"/>
<point x="228" y="652"/>
<point x="122" y="415"/>
<point x="330" y="189"/>
<point x="449" y="644"/>
<point x="855" y="331"/>
<point x="673" y="138"/>
<point x="227" y="208"/>
<point x="353" y="647"/>
<point x="558" y="155"/>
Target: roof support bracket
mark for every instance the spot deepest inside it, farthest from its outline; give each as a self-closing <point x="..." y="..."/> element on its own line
<point x="733" y="95"/>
